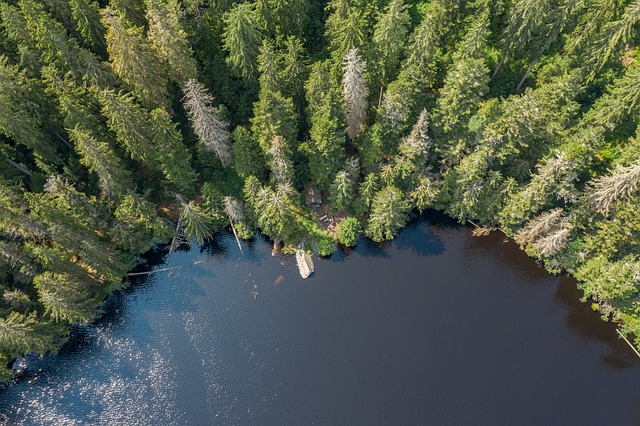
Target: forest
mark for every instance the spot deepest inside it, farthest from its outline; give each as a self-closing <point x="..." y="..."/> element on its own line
<point x="129" y="123"/>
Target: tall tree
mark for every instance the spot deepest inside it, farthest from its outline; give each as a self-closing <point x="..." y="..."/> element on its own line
<point x="86" y="14"/>
<point x="389" y="39"/>
<point x="171" y="153"/>
<point x="169" y="40"/>
<point x="389" y="213"/>
<point x="205" y="119"/>
<point x="133" y="59"/>
<point x="114" y="180"/>
<point x="242" y="39"/>
<point x="354" y="92"/>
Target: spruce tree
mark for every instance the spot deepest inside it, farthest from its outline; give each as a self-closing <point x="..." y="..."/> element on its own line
<point x="242" y="39"/>
<point x="354" y="92"/>
<point x="205" y="120"/>
<point x="169" y="40"/>
<point x="133" y="59"/>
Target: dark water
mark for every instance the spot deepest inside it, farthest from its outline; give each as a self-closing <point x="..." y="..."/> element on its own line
<point x="437" y="327"/>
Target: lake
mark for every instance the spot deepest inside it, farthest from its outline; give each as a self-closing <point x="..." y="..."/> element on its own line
<point x="436" y="327"/>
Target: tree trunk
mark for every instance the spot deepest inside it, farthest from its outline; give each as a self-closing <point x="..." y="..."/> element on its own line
<point x="526" y="75"/>
<point x="495" y="72"/>
<point x="236" y="235"/>
<point x="19" y="167"/>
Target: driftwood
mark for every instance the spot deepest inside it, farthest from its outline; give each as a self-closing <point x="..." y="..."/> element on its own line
<point x="132" y="274"/>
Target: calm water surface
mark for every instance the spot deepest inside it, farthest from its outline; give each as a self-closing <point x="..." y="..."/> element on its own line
<point x="437" y="327"/>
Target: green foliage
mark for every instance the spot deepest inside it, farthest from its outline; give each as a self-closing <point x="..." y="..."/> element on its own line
<point x="389" y="213"/>
<point x="195" y="223"/>
<point x="273" y="115"/>
<point x="242" y="39"/>
<point x="248" y="159"/>
<point x="348" y="231"/>
<point x="101" y="103"/>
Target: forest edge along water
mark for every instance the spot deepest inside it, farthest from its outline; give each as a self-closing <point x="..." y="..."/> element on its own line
<point x="127" y="124"/>
<point x="437" y="326"/>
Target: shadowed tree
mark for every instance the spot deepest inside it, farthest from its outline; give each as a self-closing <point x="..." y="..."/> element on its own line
<point x="242" y="39"/>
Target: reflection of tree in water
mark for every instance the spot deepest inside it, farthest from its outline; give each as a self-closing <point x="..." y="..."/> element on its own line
<point x="587" y="323"/>
<point x="368" y="248"/>
<point x="419" y="239"/>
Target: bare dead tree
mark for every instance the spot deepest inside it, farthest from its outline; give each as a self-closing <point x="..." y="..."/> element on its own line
<point x="205" y="119"/>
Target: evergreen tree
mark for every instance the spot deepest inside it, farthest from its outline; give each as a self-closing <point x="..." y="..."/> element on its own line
<point x="281" y="165"/>
<point x="345" y="28"/>
<point x="194" y="222"/>
<point x="293" y="70"/>
<point x="248" y="158"/>
<point x="242" y="39"/>
<point x="87" y="17"/>
<point x="20" y="114"/>
<point x="273" y="115"/>
<point x="205" y="119"/>
<point x="170" y="152"/>
<point x="389" y="39"/>
<point x="169" y="40"/>
<point x="343" y="188"/>
<point x="129" y="122"/>
<point x="99" y="157"/>
<point x="64" y="299"/>
<point x="389" y="213"/>
<point x="133" y="59"/>
<point x="354" y="92"/>
<point x="327" y="140"/>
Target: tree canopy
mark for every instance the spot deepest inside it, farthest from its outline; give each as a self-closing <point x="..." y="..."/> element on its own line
<point x="127" y="123"/>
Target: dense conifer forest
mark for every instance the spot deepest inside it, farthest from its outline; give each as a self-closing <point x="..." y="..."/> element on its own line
<point x="127" y="123"/>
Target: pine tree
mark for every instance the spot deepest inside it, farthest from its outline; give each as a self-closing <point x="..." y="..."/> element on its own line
<point x="343" y="188"/>
<point x="604" y="191"/>
<point x="294" y="70"/>
<point x="389" y="213"/>
<point x="268" y="65"/>
<point x="172" y="155"/>
<point x="327" y="139"/>
<point x="169" y="40"/>
<point x="86" y="14"/>
<point x="133" y="59"/>
<point x="65" y="299"/>
<point x="389" y="39"/>
<point x="136" y="226"/>
<point x="195" y="223"/>
<point x="205" y="119"/>
<point x="242" y="39"/>
<point x="20" y="333"/>
<point x="283" y="18"/>
<point x="281" y="165"/>
<point x="130" y="123"/>
<point x="621" y="101"/>
<point x="345" y="28"/>
<point x="425" y="48"/>
<point x="46" y="41"/>
<point x="526" y="20"/>
<point x="248" y="158"/>
<point x="21" y="114"/>
<point x="274" y="115"/>
<point x="611" y="38"/>
<point x="354" y="92"/>
<point x="114" y="180"/>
